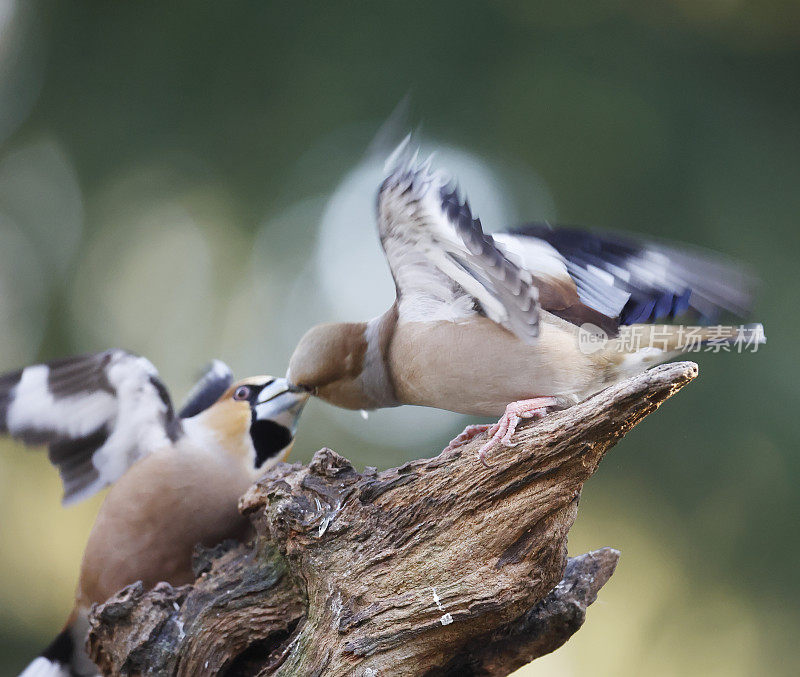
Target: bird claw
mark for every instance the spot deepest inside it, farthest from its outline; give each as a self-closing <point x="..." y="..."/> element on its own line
<point x="500" y="433"/>
<point x="467" y="435"/>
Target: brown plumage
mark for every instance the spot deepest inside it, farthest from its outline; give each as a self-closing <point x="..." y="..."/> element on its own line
<point x="175" y="481"/>
<point x="514" y="323"/>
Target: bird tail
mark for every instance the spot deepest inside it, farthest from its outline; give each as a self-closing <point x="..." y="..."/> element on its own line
<point x="66" y="655"/>
<point x="55" y="660"/>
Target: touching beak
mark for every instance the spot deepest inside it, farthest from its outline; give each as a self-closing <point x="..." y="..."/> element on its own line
<point x="282" y="403"/>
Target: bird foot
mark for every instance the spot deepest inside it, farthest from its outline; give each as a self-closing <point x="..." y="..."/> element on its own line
<point x="500" y="433"/>
<point x="469" y="433"/>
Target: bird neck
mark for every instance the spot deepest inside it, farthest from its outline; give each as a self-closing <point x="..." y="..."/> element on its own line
<point x="376" y="376"/>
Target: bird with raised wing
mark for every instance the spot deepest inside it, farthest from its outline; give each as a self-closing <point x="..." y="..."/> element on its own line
<point x="515" y="323"/>
<point x="175" y="477"/>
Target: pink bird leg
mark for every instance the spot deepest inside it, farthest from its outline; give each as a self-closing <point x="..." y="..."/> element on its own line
<point x="502" y="431"/>
<point x="468" y="434"/>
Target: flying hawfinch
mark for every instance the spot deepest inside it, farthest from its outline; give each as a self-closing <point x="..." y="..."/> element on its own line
<point x="537" y="317"/>
<point x="176" y="478"/>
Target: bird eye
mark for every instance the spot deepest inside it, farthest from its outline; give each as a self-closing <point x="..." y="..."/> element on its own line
<point x="242" y="393"/>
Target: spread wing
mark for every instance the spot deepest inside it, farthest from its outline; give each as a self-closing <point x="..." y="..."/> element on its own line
<point x="98" y="414"/>
<point x="444" y="266"/>
<point x="216" y="380"/>
<point x="635" y="281"/>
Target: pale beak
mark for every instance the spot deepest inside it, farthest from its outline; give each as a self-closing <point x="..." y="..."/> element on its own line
<point x="280" y="402"/>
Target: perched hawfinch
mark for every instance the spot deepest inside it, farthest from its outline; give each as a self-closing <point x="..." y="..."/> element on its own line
<point x="536" y="317"/>
<point x="176" y="478"/>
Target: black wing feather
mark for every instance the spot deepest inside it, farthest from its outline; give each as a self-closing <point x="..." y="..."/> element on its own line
<point x="212" y="384"/>
<point x="75" y="405"/>
<point x="663" y="281"/>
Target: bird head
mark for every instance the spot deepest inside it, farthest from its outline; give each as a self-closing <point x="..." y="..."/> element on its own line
<point x="328" y="363"/>
<point x="260" y="411"/>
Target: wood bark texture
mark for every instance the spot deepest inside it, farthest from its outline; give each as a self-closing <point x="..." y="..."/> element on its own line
<point x="438" y="567"/>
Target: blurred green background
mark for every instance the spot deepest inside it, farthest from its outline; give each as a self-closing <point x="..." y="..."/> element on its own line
<point x="194" y="180"/>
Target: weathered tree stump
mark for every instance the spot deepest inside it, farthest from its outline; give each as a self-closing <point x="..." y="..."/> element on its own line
<point x="438" y="567"/>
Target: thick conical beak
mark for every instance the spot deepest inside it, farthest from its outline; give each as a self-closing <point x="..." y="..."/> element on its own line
<point x="282" y="403"/>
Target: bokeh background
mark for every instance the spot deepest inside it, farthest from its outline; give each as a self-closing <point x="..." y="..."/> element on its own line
<point x="196" y="180"/>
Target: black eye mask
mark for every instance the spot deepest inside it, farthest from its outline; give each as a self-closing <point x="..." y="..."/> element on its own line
<point x="269" y="439"/>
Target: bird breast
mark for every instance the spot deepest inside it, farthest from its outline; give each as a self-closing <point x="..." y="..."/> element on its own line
<point x="154" y="515"/>
<point x="477" y="367"/>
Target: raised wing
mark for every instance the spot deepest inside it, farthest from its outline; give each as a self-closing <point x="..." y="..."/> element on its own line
<point x="444" y="266"/>
<point x="98" y="414"/>
<point x="636" y="281"/>
<point x="216" y="380"/>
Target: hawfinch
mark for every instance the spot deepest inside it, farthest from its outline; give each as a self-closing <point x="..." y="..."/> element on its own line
<point x="515" y="323"/>
<point x="175" y="478"/>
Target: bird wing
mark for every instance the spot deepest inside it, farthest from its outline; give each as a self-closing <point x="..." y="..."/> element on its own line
<point x="217" y="378"/>
<point x="97" y="413"/>
<point x="444" y="266"/>
<point x="637" y="281"/>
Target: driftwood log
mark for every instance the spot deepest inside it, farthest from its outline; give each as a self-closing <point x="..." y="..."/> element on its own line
<point x="438" y="567"/>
